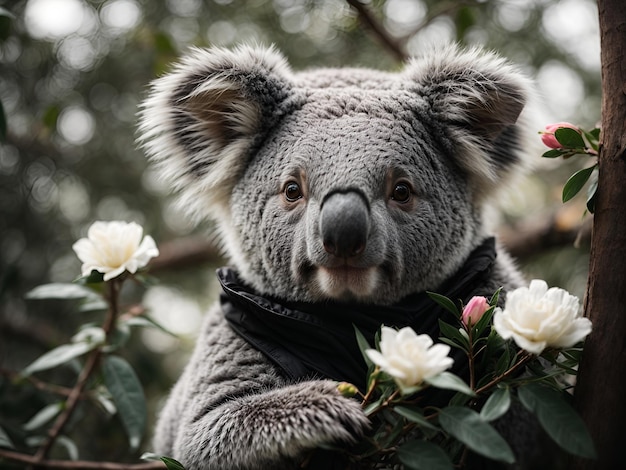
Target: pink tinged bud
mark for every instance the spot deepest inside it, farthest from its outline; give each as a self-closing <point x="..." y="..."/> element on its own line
<point x="474" y="310"/>
<point x="548" y="138"/>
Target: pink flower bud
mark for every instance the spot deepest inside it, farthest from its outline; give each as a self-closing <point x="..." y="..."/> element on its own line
<point x="474" y="310"/>
<point x="548" y="138"/>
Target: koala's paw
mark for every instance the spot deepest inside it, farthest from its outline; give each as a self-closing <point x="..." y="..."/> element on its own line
<point x="340" y="417"/>
<point x="306" y="415"/>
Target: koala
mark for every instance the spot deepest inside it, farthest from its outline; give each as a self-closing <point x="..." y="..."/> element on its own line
<point x="340" y="196"/>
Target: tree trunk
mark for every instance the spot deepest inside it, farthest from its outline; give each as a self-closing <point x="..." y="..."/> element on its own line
<point x="601" y="390"/>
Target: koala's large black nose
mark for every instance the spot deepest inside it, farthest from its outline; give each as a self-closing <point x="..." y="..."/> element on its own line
<point x="344" y="224"/>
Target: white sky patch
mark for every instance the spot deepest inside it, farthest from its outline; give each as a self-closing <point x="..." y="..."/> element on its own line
<point x="175" y="312"/>
<point x="573" y="26"/>
<point x="404" y="15"/>
<point x="54" y="19"/>
<point x="120" y="15"/>
<point x="77" y="52"/>
<point x="76" y="125"/>
<point x="562" y="89"/>
<point x="513" y="15"/>
<point x="437" y="32"/>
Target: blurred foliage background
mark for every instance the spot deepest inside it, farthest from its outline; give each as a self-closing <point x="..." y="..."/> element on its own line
<point x="72" y="73"/>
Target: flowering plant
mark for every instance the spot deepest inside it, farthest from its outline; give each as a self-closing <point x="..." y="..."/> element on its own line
<point x="567" y="140"/>
<point x="112" y="253"/>
<point x="424" y="416"/>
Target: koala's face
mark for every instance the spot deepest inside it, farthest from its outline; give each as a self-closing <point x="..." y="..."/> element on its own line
<point x="344" y="185"/>
<point x="353" y="207"/>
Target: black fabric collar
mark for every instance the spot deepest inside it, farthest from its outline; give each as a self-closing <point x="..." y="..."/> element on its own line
<point x="318" y="340"/>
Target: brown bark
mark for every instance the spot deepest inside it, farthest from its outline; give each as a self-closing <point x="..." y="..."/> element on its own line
<point x="601" y="390"/>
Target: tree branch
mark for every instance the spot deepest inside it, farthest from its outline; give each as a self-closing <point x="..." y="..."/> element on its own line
<point x="183" y="253"/>
<point x="39" y="384"/>
<point x="535" y="235"/>
<point x="77" y="464"/>
<point x="392" y="44"/>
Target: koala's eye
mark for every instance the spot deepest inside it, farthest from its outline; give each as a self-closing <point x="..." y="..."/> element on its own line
<point x="401" y="193"/>
<point x="293" y="191"/>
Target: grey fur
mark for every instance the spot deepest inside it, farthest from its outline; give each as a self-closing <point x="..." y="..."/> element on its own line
<point x="232" y="129"/>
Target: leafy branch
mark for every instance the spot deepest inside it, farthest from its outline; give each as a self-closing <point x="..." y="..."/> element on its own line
<point x="104" y="377"/>
<point x="568" y="141"/>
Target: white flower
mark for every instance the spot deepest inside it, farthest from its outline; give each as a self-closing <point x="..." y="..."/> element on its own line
<point x="114" y="247"/>
<point x="409" y="358"/>
<point x="537" y="317"/>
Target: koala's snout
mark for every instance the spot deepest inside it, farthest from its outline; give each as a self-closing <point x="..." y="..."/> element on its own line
<point x="344" y="224"/>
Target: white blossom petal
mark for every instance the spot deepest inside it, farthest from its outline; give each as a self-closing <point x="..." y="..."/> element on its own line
<point x="409" y="358"/>
<point x="537" y="317"/>
<point x="114" y="247"/>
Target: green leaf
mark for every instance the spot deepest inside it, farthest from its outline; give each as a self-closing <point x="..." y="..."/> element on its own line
<point x="57" y="356"/>
<point x="61" y="291"/>
<point x="493" y="301"/>
<point x="593" y="136"/>
<point x="70" y="446"/>
<point x="127" y="393"/>
<point x="91" y="301"/>
<point x="553" y="153"/>
<point x="569" y="138"/>
<point x="363" y="345"/>
<point x="7" y="13"/>
<point x="5" y="441"/>
<point x="452" y="333"/>
<point x="93" y="304"/>
<point x="468" y="427"/>
<point x="483" y="322"/>
<point x="415" y="417"/>
<point x="496" y="405"/>
<point x="43" y="416"/>
<point x="424" y="455"/>
<point x="502" y="364"/>
<point x="104" y="399"/>
<point x="389" y="436"/>
<point x="558" y="419"/>
<point x="592" y="191"/>
<point x="91" y="335"/>
<point x="145" y="321"/>
<point x="445" y="303"/>
<point x="449" y="381"/>
<point x="95" y="277"/>
<point x="170" y="463"/>
<point x="373" y="406"/>
<point x="576" y="182"/>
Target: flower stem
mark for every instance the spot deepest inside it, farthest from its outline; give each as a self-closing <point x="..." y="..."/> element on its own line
<point x="471" y="356"/>
<point x="525" y="357"/>
<point x="371" y="390"/>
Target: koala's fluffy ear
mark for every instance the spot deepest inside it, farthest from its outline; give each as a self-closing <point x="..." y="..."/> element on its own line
<point x="476" y="97"/>
<point x="200" y="121"/>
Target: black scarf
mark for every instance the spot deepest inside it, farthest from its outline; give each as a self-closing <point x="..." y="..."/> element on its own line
<point x="318" y="339"/>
